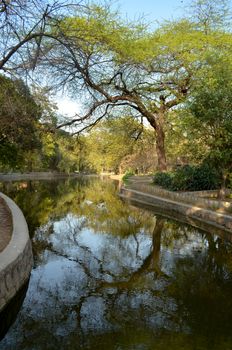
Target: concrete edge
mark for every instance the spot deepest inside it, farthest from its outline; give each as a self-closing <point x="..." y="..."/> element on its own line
<point x="192" y="198"/>
<point x="16" y="259"/>
<point x="209" y="217"/>
<point x="6" y="225"/>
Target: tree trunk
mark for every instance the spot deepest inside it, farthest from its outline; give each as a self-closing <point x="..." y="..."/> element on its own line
<point x="160" y="146"/>
<point x="157" y="122"/>
<point x="223" y="191"/>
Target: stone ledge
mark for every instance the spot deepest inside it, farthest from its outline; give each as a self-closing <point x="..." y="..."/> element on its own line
<point x="16" y="259"/>
<point x="6" y="226"/>
<point x="195" y="198"/>
<point x="218" y="220"/>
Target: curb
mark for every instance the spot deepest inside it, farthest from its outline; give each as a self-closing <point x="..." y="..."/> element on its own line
<point x="16" y="259"/>
<point x="218" y="220"/>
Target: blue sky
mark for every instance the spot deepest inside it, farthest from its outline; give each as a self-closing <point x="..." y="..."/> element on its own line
<point x="152" y="9"/>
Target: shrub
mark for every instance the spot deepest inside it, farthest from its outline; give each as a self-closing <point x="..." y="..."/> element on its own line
<point x="183" y="178"/>
<point x="127" y="175"/>
<point x="163" y="179"/>
<point x="190" y="178"/>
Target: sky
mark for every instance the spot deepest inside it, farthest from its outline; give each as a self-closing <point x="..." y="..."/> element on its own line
<point x="152" y="11"/>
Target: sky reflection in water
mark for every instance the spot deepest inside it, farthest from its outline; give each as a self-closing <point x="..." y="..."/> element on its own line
<point x="111" y="276"/>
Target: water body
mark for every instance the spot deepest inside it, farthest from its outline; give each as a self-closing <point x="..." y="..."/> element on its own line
<point x="111" y="276"/>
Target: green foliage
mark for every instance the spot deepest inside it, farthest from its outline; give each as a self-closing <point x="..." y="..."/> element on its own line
<point x="127" y="175"/>
<point x="211" y="14"/>
<point x="186" y="140"/>
<point x="19" y="115"/>
<point x="189" y="178"/>
<point x="195" y="178"/>
<point x="124" y="64"/>
<point x="163" y="179"/>
<point x="212" y="106"/>
<point x="118" y="144"/>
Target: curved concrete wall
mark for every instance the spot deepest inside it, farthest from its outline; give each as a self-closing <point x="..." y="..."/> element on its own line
<point x="16" y="259"/>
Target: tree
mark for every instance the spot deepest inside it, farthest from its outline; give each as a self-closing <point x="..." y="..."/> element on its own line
<point x="113" y="143"/>
<point x="211" y="14"/>
<point x="24" y="25"/>
<point x="109" y="64"/>
<point x="19" y="115"/>
<point x="112" y="65"/>
<point x="186" y="140"/>
<point x="212" y="105"/>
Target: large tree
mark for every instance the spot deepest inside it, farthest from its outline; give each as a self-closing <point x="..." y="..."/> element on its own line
<point x="108" y="64"/>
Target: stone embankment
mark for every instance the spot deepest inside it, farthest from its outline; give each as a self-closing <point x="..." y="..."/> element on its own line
<point x="34" y="176"/>
<point x="191" y="205"/>
<point x="16" y="257"/>
<point x="40" y="175"/>
<point x="6" y="226"/>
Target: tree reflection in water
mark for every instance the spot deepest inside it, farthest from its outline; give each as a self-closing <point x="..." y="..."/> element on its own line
<point x="111" y="276"/>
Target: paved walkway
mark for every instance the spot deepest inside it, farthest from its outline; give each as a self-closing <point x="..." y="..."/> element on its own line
<point x="5" y="225"/>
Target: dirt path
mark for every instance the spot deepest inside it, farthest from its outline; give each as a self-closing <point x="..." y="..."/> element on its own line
<point x="5" y="225"/>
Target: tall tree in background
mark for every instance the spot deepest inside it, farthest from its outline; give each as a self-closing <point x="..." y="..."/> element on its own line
<point x="119" y="144"/>
<point x="211" y="14"/>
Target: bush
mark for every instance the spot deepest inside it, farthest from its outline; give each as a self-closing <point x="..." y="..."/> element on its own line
<point x="127" y="175"/>
<point x="163" y="180"/>
<point x="190" y="178"/>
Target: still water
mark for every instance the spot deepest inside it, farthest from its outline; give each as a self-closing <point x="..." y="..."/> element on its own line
<point x="112" y="276"/>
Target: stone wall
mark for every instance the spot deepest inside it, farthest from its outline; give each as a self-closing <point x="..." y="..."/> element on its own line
<point x="6" y="226"/>
<point x="16" y="259"/>
<point x="174" y="207"/>
<point x="31" y="176"/>
<point x="193" y="198"/>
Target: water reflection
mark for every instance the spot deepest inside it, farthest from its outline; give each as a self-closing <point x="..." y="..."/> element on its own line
<point x="110" y="276"/>
<point x="9" y="313"/>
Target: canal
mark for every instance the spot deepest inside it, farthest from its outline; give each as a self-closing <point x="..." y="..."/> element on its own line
<point x="108" y="275"/>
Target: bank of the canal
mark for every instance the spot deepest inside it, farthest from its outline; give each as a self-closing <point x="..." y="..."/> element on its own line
<point x="192" y="205"/>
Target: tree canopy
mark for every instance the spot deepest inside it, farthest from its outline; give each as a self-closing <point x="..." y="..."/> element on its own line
<point x="166" y="79"/>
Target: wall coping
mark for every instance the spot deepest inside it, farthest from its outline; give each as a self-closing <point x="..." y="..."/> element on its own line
<point x="219" y="220"/>
<point x="20" y="235"/>
<point x="192" y="198"/>
<point x="16" y="259"/>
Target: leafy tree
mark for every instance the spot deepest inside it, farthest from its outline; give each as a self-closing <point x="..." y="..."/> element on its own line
<point x="24" y="25"/>
<point x="211" y="14"/>
<point x="110" y="64"/>
<point x="19" y="115"/>
<point x="119" y="144"/>
<point x="186" y="140"/>
<point x="126" y="67"/>
<point x="212" y="105"/>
